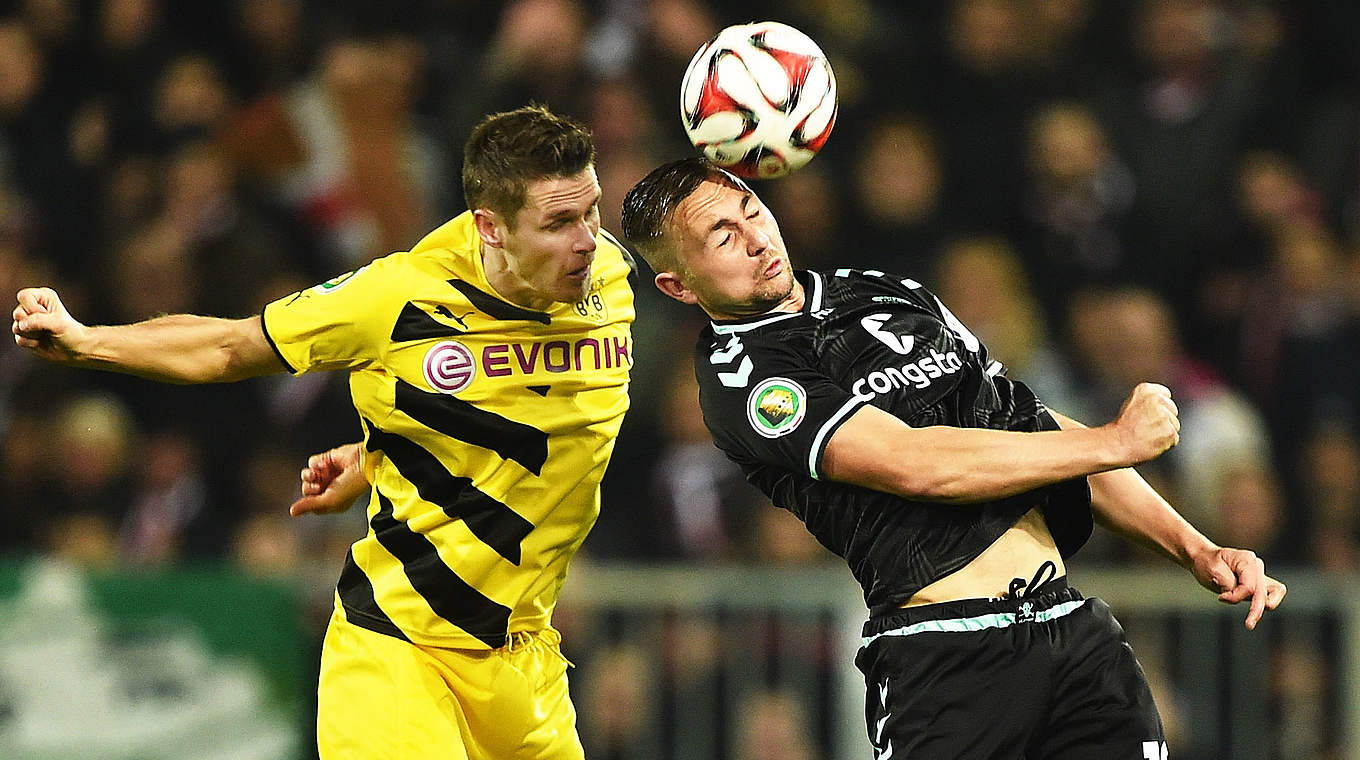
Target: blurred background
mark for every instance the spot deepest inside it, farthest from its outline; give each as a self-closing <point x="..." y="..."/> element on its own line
<point x="1105" y="192"/>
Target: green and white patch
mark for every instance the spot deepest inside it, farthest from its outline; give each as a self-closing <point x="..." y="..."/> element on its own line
<point x="776" y="407"/>
<point x="335" y="283"/>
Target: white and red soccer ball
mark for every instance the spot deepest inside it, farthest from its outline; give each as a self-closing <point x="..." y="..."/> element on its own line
<point x="759" y="99"/>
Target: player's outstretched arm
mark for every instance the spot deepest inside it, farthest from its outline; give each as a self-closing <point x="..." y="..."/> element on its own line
<point x="331" y="481"/>
<point x="964" y="465"/>
<point x="180" y="348"/>
<point x="1125" y="503"/>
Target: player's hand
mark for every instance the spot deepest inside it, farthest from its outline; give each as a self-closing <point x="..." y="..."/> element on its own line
<point x="1147" y="424"/>
<point x="331" y="482"/>
<point x="43" y="326"/>
<point x="1237" y="575"/>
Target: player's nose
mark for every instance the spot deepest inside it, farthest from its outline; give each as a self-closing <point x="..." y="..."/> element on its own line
<point x="756" y="241"/>
<point x="584" y="240"/>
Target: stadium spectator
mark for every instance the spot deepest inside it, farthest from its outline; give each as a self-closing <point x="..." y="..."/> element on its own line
<point x="619" y="702"/>
<point x="774" y="725"/>
<point x="1077" y="199"/>
<point x="984" y="282"/>
<point x="983" y="89"/>
<point x="1272" y="195"/>
<point x="87" y="484"/>
<point x="1330" y="491"/>
<point x="899" y="215"/>
<point x="168" y="498"/>
<point x="1179" y="112"/>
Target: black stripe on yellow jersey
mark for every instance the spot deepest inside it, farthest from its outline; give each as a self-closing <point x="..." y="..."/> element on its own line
<point x="414" y="324"/>
<point x="491" y="521"/>
<point x="495" y="307"/>
<point x="458" y="419"/>
<point x="449" y="596"/>
<point x="357" y="597"/>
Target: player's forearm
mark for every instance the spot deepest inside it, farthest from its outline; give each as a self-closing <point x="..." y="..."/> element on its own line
<point x="1124" y="502"/>
<point x="179" y="348"/>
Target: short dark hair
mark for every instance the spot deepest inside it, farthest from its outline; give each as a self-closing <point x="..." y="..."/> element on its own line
<point x="650" y="204"/>
<point x="508" y="150"/>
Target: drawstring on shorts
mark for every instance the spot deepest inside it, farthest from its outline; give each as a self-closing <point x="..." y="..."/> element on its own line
<point x="548" y="639"/>
<point x="1046" y="572"/>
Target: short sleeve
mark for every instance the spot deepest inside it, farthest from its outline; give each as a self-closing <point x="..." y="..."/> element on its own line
<point x="342" y="323"/>
<point x="769" y="405"/>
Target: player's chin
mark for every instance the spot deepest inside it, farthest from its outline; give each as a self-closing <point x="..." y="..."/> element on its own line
<point x="780" y="285"/>
<point x="573" y="287"/>
<point x="766" y="299"/>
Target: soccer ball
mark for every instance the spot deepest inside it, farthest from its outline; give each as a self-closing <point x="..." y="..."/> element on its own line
<point x="759" y="99"/>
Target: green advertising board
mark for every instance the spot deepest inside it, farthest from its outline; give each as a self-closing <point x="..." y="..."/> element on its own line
<point x="175" y="664"/>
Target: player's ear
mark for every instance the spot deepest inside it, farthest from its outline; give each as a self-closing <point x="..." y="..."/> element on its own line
<point x="671" y="284"/>
<point x="490" y="227"/>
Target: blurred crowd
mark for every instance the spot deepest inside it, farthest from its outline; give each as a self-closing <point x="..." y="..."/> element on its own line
<point x="1105" y="192"/>
<point x="1166" y="190"/>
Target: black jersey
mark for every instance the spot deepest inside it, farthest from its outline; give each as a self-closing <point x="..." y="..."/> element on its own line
<point x="775" y="388"/>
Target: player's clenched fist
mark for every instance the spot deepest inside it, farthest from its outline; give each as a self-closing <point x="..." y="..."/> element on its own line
<point x="42" y="324"/>
<point x="1147" y="424"/>
<point x="331" y="481"/>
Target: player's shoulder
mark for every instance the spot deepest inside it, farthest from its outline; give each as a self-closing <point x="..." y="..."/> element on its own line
<point x="427" y="267"/>
<point x="835" y="290"/>
<point x="375" y="276"/>
<point x="386" y="282"/>
<point x="774" y="331"/>
<point x="613" y="250"/>
<point x="871" y="281"/>
<point x="730" y="356"/>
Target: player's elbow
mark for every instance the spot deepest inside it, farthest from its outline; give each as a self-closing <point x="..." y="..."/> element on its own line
<point x="243" y="353"/>
<point x="197" y="369"/>
<point x="226" y="362"/>
<point x="237" y="364"/>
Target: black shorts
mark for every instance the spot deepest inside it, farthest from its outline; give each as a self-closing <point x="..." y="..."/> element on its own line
<point x="1041" y="677"/>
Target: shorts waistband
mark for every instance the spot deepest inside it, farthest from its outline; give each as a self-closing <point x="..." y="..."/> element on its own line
<point x="1055" y="600"/>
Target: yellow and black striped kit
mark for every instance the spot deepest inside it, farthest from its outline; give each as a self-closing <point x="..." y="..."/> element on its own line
<point x="487" y="429"/>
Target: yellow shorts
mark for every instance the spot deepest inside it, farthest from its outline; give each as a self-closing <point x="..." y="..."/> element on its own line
<point x="382" y="698"/>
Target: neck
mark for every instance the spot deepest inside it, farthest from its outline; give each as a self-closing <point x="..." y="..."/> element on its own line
<point x="507" y="283"/>
<point x="793" y="302"/>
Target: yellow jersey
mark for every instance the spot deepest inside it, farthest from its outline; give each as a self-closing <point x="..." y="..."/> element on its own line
<point x="487" y="430"/>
